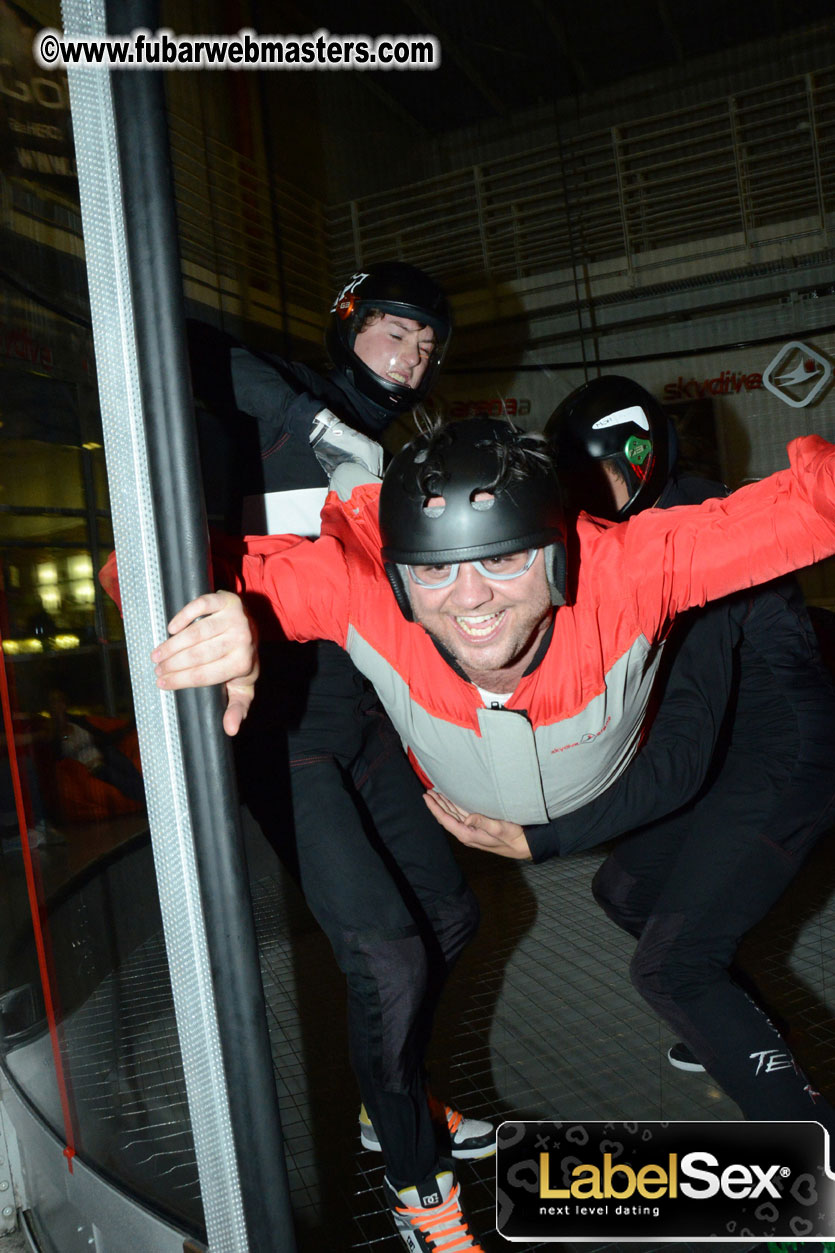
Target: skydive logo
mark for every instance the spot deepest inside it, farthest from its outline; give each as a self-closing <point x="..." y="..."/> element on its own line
<point x="797" y="374"/>
<point x="609" y="1181"/>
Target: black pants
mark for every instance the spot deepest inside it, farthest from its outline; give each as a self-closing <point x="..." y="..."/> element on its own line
<point x="689" y="888"/>
<point x="378" y="874"/>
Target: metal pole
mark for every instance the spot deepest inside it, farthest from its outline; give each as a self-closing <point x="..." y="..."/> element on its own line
<point x="136" y="296"/>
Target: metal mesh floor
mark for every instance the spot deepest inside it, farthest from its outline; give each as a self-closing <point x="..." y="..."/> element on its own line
<point x="539" y="1020"/>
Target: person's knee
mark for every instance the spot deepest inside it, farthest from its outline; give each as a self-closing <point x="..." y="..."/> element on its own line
<point x="648" y="979"/>
<point x="601" y="887"/>
<point x="610" y="887"/>
<point x="388" y="978"/>
<point x="392" y="966"/>
<point x="455" y="920"/>
<point x="669" y="969"/>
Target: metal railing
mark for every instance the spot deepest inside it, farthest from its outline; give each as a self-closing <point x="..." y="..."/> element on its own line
<point x="626" y="202"/>
<point x="753" y="166"/>
<point x="261" y="232"/>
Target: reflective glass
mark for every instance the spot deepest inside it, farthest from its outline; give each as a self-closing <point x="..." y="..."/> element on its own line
<point x="87" y="1028"/>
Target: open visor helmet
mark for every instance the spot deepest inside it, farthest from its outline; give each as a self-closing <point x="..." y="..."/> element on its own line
<point x="612" y="419"/>
<point x="397" y="288"/>
<point x="455" y="465"/>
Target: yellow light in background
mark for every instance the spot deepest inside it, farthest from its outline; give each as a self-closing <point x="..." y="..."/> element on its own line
<point x="80" y="566"/>
<point x="50" y="598"/>
<point x="15" y="647"/>
<point x="91" y="446"/>
<point x="83" y="592"/>
<point x="66" y="641"/>
<point x="47" y="572"/>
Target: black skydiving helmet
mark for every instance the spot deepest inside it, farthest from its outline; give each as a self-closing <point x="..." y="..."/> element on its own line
<point x="611" y="419"/>
<point x="458" y="462"/>
<point x="396" y="288"/>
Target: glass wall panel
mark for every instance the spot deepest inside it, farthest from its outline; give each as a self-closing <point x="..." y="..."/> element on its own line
<point x="87" y="1029"/>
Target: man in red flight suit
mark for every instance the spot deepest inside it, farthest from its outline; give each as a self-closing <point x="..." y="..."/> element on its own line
<point x="514" y="660"/>
<point x="470" y="544"/>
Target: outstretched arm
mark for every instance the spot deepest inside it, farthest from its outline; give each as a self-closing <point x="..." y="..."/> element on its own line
<point x="234" y="380"/>
<point x="676" y="559"/>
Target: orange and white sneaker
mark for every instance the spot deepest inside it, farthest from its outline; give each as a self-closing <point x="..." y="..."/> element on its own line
<point x="469" y="1138"/>
<point x="466" y="1139"/>
<point x="428" y="1216"/>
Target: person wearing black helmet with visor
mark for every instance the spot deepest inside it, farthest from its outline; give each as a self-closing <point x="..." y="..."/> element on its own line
<point x="611" y="430"/>
<point x="740" y="802"/>
<point x="515" y="657"/>
<point x="387" y="336"/>
<point x="376" y="871"/>
<point x="280" y="426"/>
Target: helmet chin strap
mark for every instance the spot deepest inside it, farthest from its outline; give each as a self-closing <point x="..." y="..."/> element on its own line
<point x="398" y="577"/>
<point x="375" y="416"/>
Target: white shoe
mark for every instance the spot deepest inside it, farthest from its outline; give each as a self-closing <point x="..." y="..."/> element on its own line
<point x="466" y="1139"/>
<point x="428" y="1216"/>
<point x="679" y="1055"/>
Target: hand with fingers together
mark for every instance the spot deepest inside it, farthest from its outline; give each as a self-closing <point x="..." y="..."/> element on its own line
<point x="212" y="640"/>
<point x="493" y="835"/>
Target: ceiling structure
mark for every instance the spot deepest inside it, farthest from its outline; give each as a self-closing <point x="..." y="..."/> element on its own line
<point x="500" y="58"/>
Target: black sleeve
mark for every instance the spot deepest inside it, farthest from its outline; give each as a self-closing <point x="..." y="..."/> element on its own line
<point x="209" y="355"/>
<point x="272" y="396"/>
<point x="230" y="379"/>
<point x="673" y="763"/>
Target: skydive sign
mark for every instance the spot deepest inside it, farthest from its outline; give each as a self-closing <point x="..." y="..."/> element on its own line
<point x="684" y="1181"/>
<point x="726" y="383"/>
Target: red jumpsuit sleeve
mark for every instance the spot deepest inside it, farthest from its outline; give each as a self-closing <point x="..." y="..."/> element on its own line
<point x="315" y="588"/>
<point x="303" y="584"/>
<point x="678" y="558"/>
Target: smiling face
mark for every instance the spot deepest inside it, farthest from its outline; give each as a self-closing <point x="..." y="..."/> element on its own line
<point x="396" y="348"/>
<point x="491" y="628"/>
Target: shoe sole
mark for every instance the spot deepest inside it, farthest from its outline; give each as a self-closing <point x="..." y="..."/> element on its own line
<point x="460" y="1154"/>
<point x="693" y="1067"/>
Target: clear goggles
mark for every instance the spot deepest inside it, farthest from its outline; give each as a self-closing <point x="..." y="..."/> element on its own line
<point x="502" y="567"/>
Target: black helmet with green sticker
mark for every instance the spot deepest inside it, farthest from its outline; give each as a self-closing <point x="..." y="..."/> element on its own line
<point x="612" y="419"/>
